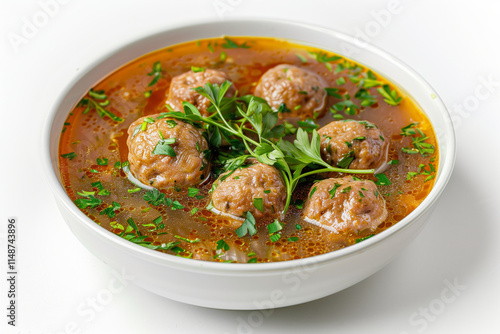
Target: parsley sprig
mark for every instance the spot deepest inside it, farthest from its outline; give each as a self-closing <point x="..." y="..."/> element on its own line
<point x="250" y="126"/>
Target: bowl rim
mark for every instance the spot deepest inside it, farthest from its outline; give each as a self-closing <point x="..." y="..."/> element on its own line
<point x="444" y="171"/>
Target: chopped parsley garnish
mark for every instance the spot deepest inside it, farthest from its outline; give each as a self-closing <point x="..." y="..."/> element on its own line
<point x="230" y="44"/>
<point x="97" y="100"/>
<point x="301" y="57"/>
<point x="293" y="239"/>
<point x="411" y="175"/>
<point x="313" y="191"/>
<point x="156" y="73"/>
<point x="110" y="211"/>
<point x="333" y="190"/>
<point x="70" y="155"/>
<point x="171" y="123"/>
<point x="187" y="240"/>
<point x="248" y="226"/>
<point x="163" y="147"/>
<point x="258" y="203"/>
<point x="223" y="56"/>
<point x="222" y="245"/>
<point x="340" y="81"/>
<point x="132" y="224"/>
<point x="102" y="162"/>
<point x="393" y="162"/>
<point x="274" y="237"/>
<point x="89" y="202"/>
<point x="192" y="192"/>
<point x="154" y="197"/>
<point x="197" y="69"/>
<point x="309" y="125"/>
<point x="346" y="190"/>
<point x="418" y="141"/>
<point x="346" y="160"/>
<point x="367" y="100"/>
<point x="333" y="92"/>
<point x="390" y="95"/>
<point x="275" y="226"/>
<point x="382" y="180"/>
<point x="322" y="57"/>
<point x="362" y="239"/>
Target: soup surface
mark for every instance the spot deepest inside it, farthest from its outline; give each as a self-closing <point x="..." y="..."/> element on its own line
<point x="181" y="219"/>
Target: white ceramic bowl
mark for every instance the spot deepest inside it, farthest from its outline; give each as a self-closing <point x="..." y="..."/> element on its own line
<point x="250" y="286"/>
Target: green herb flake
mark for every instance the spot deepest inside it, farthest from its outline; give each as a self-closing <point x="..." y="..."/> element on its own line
<point x="191" y="241"/>
<point x="340" y="81"/>
<point x="197" y="69"/>
<point x="411" y="175"/>
<point x="69" y="156"/>
<point x="363" y="239"/>
<point x="163" y="147"/>
<point x="393" y="162"/>
<point x="301" y="57"/>
<point x="110" y="211"/>
<point x="222" y="245"/>
<point x="132" y="224"/>
<point x="230" y="44"/>
<point x="333" y="92"/>
<point x="333" y="190"/>
<point x="382" y="180"/>
<point x="223" y="56"/>
<point x="274" y="237"/>
<point x="275" y="226"/>
<point x="171" y="123"/>
<point x="192" y="192"/>
<point x="156" y="72"/>
<point x="346" y="190"/>
<point x="248" y="226"/>
<point x="134" y="190"/>
<point x="390" y="95"/>
<point x="258" y="203"/>
<point x="177" y="206"/>
<point x="102" y="162"/>
<point x="313" y="191"/>
<point x="293" y="239"/>
<point x="346" y="160"/>
<point x="309" y="125"/>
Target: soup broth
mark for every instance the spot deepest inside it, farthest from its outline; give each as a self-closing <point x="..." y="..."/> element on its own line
<point x="94" y="153"/>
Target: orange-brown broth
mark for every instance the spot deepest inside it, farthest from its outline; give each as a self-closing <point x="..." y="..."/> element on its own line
<point x="92" y="137"/>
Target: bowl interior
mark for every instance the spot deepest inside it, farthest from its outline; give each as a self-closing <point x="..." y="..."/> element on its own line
<point x="392" y="69"/>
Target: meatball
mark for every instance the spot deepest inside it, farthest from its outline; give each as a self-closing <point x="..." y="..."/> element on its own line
<point x="235" y="193"/>
<point x="344" y="205"/>
<point x="301" y="91"/>
<point x="181" y="89"/>
<point x="164" y="152"/>
<point x="359" y="142"/>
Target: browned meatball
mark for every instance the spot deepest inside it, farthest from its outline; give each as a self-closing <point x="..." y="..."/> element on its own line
<point x="235" y="193"/>
<point x="360" y="142"/>
<point x="343" y="205"/>
<point x="181" y="89"/>
<point x="155" y="162"/>
<point x="300" y="90"/>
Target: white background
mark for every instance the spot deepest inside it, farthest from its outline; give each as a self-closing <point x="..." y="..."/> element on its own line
<point x="454" y="45"/>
